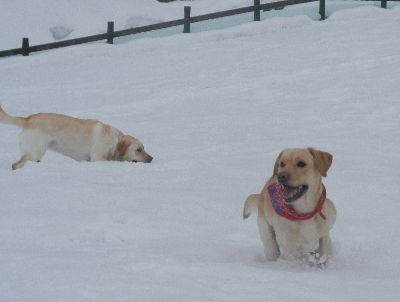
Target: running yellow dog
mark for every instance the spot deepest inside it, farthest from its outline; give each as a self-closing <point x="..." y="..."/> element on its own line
<point x="294" y="215"/>
<point x="80" y="139"/>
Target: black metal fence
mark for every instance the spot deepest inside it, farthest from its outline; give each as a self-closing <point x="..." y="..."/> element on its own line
<point x="109" y="36"/>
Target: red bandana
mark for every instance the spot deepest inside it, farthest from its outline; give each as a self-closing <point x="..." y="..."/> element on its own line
<point x="285" y="210"/>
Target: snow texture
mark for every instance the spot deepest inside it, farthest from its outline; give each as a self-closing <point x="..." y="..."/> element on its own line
<point x="214" y="108"/>
<point x="60" y="32"/>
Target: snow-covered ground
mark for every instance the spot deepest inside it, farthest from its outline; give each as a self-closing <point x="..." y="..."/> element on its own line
<point x="19" y="18"/>
<point x="45" y="21"/>
<point x="214" y="108"/>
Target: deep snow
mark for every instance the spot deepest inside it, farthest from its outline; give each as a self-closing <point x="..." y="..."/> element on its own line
<point x="214" y="109"/>
<point x="45" y="21"/>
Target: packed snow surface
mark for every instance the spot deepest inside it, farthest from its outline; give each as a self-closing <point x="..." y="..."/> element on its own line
<point x="214" y="108"/>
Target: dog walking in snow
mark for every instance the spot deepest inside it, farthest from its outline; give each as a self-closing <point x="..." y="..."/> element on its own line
<point x="294" y="215"/>
<point x="80" y="139"/>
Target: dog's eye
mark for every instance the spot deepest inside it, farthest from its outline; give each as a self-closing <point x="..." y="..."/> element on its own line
<point x="139" y="150"/>
<point x="301" y="164"/>
<point x="282" y="164"/>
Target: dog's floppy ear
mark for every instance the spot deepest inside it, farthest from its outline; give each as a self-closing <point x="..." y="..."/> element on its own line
<point x="322" y="160"/>
<point x="276" y="166"/>
<point x="123" y="145"/>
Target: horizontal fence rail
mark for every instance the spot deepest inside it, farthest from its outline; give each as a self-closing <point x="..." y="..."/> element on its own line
<point x="186" y="21"/>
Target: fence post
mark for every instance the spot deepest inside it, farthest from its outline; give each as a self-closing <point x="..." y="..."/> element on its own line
<point x="186" y="25"/>
<point x="383" y="3"/>
<point x="110" y="32"/>
<point x="322" y="9"/>
<point x="256" y="10"/>
<point x="25" y="47"/>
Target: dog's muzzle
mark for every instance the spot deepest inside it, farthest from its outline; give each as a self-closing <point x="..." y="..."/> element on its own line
<point x="291" y="194"/>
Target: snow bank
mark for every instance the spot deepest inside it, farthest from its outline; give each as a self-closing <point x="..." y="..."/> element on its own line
<point x="214" y="108"/>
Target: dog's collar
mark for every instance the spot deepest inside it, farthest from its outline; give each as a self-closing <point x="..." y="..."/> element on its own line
<point x="285" y="210"/>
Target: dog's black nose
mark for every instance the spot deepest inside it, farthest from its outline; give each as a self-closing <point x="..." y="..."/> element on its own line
<point x="150" y="159"/>
<point x="283" y="178"/>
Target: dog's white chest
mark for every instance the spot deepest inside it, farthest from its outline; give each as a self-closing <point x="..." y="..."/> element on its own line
<point x="75" y="150"/>
<point x="309" y="238"/>
<point x="303" y="237"/>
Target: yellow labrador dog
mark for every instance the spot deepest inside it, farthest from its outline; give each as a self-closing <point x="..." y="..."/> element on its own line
<point x="294" y="215"/>
<point x="80" y="139"/>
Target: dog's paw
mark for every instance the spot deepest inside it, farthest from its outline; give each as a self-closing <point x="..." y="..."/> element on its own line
<point x="316" y="259"/>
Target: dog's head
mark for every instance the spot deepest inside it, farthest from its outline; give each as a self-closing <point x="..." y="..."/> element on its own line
<point x="131" y="149"/>
<point x="299" y="170"/>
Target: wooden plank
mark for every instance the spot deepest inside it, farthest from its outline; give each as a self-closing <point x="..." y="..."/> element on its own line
<point x="10" y="52"/>
<point x="247" y="9"/>
<point x="65" y="43"/>
<point x="257" y="10"/>
<point x="110" y="32"/>
<point x="227" y="13"/>
<point x="146" y="28"/>
<point x="281" y="4"/>
<point x="186" y="25"/>
<point x="25" y="47"/>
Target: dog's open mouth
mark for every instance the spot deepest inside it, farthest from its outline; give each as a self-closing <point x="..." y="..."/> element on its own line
<point x="291" y="194"/>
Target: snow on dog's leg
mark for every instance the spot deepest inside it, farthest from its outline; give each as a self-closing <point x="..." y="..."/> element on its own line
<point x="321" y="255"/>
<point x="315" y="258"/>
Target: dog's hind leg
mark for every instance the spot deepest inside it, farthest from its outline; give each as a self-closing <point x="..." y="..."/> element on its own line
<point x="21" y="162"/>
<point x="33" y="146"/>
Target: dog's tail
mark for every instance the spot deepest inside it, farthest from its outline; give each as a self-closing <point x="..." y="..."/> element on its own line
<point x="250" y="205"/>
<point x="7" y="119"/>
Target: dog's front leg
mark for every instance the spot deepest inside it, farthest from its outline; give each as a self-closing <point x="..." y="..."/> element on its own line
<point x="290" y="253"/>
<point x="325" y="249"/>
<point x="325" y="245"/>
<point x="321" y="255"/>
<point x="267" y="235"/>
<point x="289" y="246"/>
<point x="97" y="157"/>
